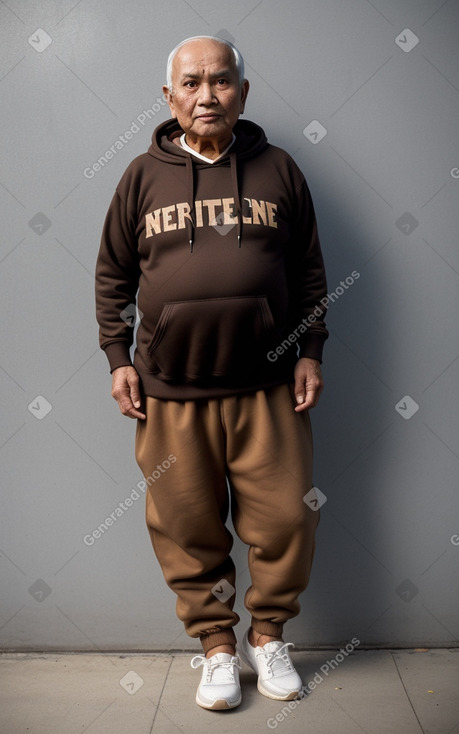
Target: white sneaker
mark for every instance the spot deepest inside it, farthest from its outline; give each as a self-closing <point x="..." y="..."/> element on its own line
<point x="219" y="687"/>
<point x="277" y="678"/>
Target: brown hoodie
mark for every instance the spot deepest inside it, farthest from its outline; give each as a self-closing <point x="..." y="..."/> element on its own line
<point x="225" y="262"/>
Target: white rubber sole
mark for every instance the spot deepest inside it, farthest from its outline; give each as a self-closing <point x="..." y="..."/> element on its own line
<point x="221" y="704"/>
<point x="289" y="697"/>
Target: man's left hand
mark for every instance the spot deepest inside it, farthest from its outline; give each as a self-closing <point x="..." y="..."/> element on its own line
<point x="309" y="383"/>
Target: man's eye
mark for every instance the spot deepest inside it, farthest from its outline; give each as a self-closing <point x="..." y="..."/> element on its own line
<point x="190" y="84"/>
<point x="221" y="82"/>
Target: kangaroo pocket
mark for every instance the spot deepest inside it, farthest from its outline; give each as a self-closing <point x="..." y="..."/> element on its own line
<point x="212" y="340"/>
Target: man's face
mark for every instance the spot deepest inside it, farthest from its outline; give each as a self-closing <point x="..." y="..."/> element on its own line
<point x="207" y="97"/>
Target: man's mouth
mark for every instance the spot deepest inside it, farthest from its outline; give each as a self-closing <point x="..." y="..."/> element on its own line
<point x="208" y="116"/>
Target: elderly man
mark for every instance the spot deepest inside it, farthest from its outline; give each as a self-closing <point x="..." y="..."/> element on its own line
<point x="213" y="230"/>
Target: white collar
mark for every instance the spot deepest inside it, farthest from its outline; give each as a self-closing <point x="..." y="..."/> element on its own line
<point x="185" y="146"/>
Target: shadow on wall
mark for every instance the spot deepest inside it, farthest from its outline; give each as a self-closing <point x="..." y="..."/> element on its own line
<point x="347" y="591"/>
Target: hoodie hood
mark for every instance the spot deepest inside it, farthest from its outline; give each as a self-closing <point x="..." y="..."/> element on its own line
<point x="250" y="142"/>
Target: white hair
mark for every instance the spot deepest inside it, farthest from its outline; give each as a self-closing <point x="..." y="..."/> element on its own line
<point x="238" y="60"/>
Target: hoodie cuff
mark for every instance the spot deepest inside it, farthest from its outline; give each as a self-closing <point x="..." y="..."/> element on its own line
<point x="312" y="347"/>
<point x="118" y="355"/>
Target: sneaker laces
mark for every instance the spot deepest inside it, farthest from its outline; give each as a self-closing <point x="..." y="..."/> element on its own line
<point x="281" y="655"/>
<point x="223" y="668"/>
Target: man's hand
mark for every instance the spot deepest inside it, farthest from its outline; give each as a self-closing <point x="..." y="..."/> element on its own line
<point x="309" y="383"/>
<point x="126" y="391"/>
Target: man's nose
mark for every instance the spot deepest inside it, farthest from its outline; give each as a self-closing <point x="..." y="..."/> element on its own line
<point x="206" y="94"/>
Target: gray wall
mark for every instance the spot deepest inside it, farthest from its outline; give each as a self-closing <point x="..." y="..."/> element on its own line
<point x="385" y="182"/>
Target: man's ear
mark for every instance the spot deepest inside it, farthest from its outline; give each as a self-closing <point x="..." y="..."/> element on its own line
<point x="169" y="97"/>
<point x="244" y="92"/>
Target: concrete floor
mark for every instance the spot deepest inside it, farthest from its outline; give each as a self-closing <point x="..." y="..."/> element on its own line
<point x="376" y="692"/>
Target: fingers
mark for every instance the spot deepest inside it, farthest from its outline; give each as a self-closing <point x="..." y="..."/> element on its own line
<point x="300" y="394"/>
<point x="133" y="382"/>
<point x="308" y="397"/>
<point x="126" y="392"/>
<point x="308" y="384"/>
<point x="128" y="409"/>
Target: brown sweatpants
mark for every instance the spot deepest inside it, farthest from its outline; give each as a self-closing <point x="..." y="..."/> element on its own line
<point x="186" y="450"/>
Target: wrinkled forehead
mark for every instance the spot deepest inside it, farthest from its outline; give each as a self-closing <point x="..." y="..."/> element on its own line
<point x="201" y="57"/>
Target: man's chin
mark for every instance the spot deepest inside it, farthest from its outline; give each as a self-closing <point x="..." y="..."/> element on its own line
<point x="217" y="129"/>
<point x="209" y="128"/>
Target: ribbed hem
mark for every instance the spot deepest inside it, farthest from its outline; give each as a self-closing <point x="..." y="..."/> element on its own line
<point x="265" y="627"/>
<point x="156" y="388"/>
<point x="312" y="346"/>
<point x="222" y="637"/>
<point x="117" y="354"/>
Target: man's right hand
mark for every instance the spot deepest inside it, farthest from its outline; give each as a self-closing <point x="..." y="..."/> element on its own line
<point x="126" y="391"/>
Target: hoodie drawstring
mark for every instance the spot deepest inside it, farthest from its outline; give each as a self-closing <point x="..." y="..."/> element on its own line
<point x="191" y="222"/>
<point x="190" y="185"/>
<point x="237" y="198"/>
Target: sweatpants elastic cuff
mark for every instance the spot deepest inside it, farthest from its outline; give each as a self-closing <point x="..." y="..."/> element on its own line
<point x="223" y="637"/>
<point x="265" y="627"/>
